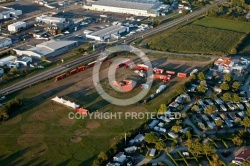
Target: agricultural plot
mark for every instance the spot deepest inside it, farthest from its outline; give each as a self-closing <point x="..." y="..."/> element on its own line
<point x="223" y="24"/>
<point x="198" y="39"/>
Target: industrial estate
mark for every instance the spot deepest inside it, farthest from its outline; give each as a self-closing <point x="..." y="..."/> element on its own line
<point x="125" y="82"/>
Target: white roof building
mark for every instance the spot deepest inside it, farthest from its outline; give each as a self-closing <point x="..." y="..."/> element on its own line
<point x="5" y="41"/>
<point x="50" y="20"/>
<point x="66" y="103"/>
<point x="48" y="49"/>
<point x="7" y="60"/>
<point x="106" y="33"/>
<point x="120" y="157"/>
<point x="6" y="12"/>
<point x="135" y="7"/>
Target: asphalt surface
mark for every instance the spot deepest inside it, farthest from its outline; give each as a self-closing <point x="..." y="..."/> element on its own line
<point x="65" y="67"/>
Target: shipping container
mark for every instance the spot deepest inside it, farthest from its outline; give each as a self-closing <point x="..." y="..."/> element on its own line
<point x="164" y="78"/>
<point x="127" y="88"/>
<point x="170" y="72"/>
<point x="72" y="72"/>
<point x="182" y="75"/>
<point x="142" y="67"/>
<point x="62" y="76"/>
<point x="158" y="71"/>
<point x="91" y="64"/>
<point x="81" y="68"/>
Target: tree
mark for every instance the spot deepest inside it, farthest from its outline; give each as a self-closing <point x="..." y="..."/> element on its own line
<point x="246" y="163"/>
<point x="103" y="156"/>
<point x="201" y="76"/>
<point x="227" y="77"/>
<point x="235" y="98"/>
<point x="232" y="164"/>
<point x="97" y="162"/>
<point x="188" y="135"/>
<point x="195" y="108"/>
<point x="248" y="111"/>
<point x="13" y="70"/>
<point x="5" y="77"/>
<point x="202" y="88"/>
<point x="246" y="122"/>
<point x="219" y="123"/>
<point x="184" y="115"/>
<point x="43" y="58"/>
<point x="226" y="97"/>
<point x="162" y="110"/>
<point x="12" y="52"/>
<point x="210" y="110"/>
<point x="236" y="85"/>
<point x="237" y="140"/>
<point x="224" y="86"/>
<point x="151" y="137"/>
<point x="176" y="129"/>
<point x="181" y="89"/>
<point x="160" y="145"/>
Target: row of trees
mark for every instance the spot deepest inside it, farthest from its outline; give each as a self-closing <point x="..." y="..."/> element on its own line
<point x="153" y="138"/>
<point x="9" y="108"/>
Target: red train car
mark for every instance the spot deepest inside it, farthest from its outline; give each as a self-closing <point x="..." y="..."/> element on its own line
<point x="142" y="67"/>
<point x="91" y="64"/>
<point x="182" y="75"/>
<point x="164" y="78"/>
<point x="158" y="71"/>
<point x="72" y="72"/>
<point x="125" y="63"/>
<point x="62" y="76"/>
<point x="81" y="68"/>
<point x="170" y="72"/>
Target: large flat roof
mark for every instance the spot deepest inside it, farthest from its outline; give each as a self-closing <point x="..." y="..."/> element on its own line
<point x="108" y="30"/>
<point x="8" y="58"/>
<point x="18" y="23"/>
<point x="55" y="44"/>
<point x="131" y="4"/>
<point x="3" y="9"/>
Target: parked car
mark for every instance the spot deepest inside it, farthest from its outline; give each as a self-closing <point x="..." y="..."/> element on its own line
<point x="240" y="106"/>
<point x="244" y="99"/>
<point x="230" y="106"/>
<point x="223" y="108"/>
<point x="218" y="101"/>
<point x="172" y="134"/>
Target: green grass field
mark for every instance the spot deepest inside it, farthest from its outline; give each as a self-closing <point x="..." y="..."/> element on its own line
<point x="223" y="24"/>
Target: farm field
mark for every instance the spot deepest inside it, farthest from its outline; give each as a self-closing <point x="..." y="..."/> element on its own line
<point x="198" y="39"/>
<point x="224" y="24"/>
<point x="42" y="134"/>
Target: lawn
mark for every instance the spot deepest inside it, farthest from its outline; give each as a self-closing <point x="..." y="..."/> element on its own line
<point x="198" y="39"/>
<point x="223" y="24"/>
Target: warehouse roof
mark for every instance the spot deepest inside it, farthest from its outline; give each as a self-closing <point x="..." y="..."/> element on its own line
<point x="3" y="9"/>
<point x="3" y="39"/>
<point x="8" y="58"/>
<point x="45" y="17"/>
<point x="108" y="30"/>
<point x="131" y="4"/>
<point x="55" y="44"/>
<point x="17" y="23"/>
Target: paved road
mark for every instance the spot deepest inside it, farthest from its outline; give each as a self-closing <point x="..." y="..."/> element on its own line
<point x="58" y="70"/>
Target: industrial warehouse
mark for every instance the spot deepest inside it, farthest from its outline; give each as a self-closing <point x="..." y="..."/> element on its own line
<point x="48" y="49"/>
<point x="6" y="12"/>
<point x="16" y="26"/>
<point x="136" y="7"/>
<point x="106" y="33"/>
<point x="5" y="41"/>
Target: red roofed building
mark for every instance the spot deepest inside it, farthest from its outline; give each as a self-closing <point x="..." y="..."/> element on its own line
<point x="242" y="154"/>
<point x="82" y="111"/>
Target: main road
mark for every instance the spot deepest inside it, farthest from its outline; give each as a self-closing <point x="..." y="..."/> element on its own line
<point x="65" y="67"/>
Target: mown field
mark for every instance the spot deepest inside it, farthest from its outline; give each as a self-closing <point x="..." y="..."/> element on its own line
<point x="224" y="24"/>
<point x="42" y="134"/>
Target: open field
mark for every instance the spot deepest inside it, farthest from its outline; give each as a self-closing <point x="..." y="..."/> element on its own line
<point x="224" y="24"/>
<point x="198" y="39"/>
<point x="42" y="134"/>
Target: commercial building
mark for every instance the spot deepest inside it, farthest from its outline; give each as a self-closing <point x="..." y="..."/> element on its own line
<point x="24" y="60"/>
<point x="7" y="61"/>
<point x="48" y="49"/>
<point x="16" y="26"/>
<point x="136" y="7"/>
<point x="6" y="12"/>
<point x="50" y="20"/>
<point x="5" y="41"/>
<point x="106" y="33"/>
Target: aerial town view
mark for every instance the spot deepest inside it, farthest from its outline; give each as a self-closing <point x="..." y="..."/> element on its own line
<point x="125" y="82"/>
